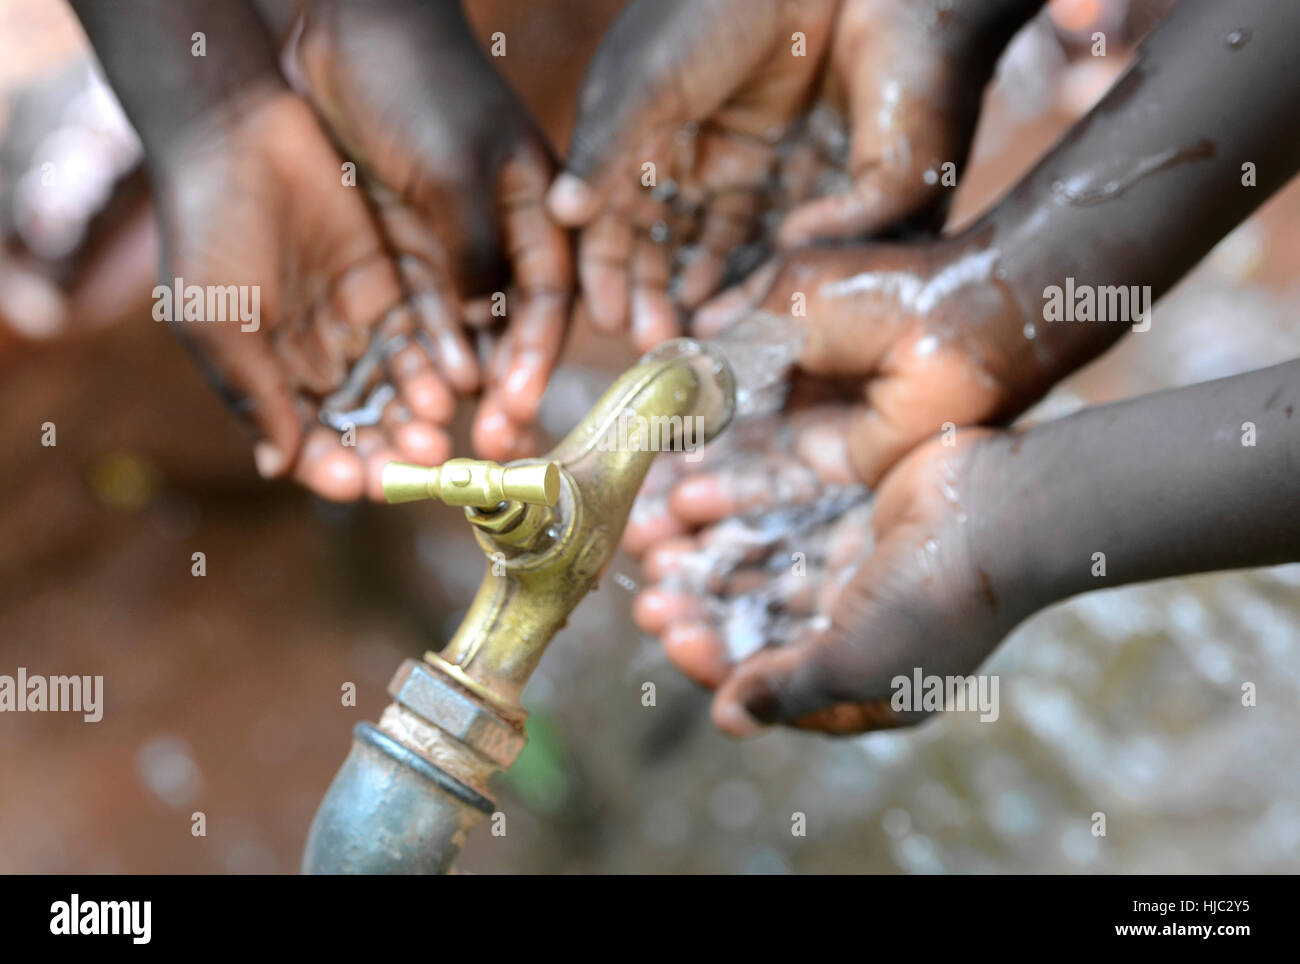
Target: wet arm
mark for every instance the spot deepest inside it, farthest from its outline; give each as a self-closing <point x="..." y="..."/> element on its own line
<point x="1152" y="178"/>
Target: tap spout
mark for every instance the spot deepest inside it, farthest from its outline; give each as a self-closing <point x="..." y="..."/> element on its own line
<point x="413" y="786"/>
<point x="527" y="594"/>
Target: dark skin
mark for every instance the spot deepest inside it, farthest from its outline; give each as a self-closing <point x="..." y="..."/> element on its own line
<point x="456" y="170"/>
<point x="972" y="537"/>
<point x="936" y="333"/>
<point x="933" y="333"/>
<point x="248" y="192"/>
<point x="452" y="210"/>
<point x="743" y="74"/>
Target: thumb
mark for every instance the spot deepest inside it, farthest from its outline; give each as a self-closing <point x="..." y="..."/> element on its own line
<point x="895" y="167"/>
<point x="798" y="685"/>
<point x="252" y="385"/>
<point x="663" y="64"/>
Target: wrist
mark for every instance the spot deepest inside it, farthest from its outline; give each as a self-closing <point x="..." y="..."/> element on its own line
<point x="220" y="127"/>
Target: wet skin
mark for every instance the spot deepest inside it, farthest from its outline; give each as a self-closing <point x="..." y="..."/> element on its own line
<point x="1136" y="193"/>
<point x="966" y="540"/>
<point x="710" y="92"/>
<point x="453" y="209"/>
<point x="248" y="192"/>
<point x="457" y="171"/>
<point x="945" y="339"/>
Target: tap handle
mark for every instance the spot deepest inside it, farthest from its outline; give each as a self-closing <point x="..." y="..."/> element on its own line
<point x="473" y="482"/>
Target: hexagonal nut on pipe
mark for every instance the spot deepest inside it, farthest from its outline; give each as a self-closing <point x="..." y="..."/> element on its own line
<point x="426" y="692"/>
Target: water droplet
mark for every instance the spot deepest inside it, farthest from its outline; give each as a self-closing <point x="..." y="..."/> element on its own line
<point x="1031" y="331"/>
<point x="1238" y="39"/>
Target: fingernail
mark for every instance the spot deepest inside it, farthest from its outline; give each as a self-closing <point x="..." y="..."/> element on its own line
<point x="268" y="458"/>
<point x="525" y="369"/>
<point x="570" y="199"/>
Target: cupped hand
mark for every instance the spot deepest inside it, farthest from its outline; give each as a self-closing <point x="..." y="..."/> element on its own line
<point x="920" y="338"/>
<point x="251" y="201"/>
<point x="457" y="171"/>
<point x="719" y="96"/>
<point x="799" y="600"/>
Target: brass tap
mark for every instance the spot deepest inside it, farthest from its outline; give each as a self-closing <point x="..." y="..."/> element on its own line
<point x="473" y="482"/>
<point x="548" y="528"/>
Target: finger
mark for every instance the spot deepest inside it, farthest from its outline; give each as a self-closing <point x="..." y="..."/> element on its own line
<point x="251" y="381"/>
<point x="654" y="319"/>
<point x="666" y="558"/>
<point x="328" y="468"/>
<point x="440" y="333"/>
<point x="801" y="170"/>
<point x="305" y="351"/>
<point x="698" y="651"/>
<point x="479" y="313"/>
<point x="415" y="439"/>
<point x="542" y="263"/>
<point x="493" y="435"/>
<point x="375" y="451"/>
<point x="604" y="252"/>
<point x="877" y="199"/>
<point x="735" y="303"/>
<point x="790" y="685"/>
<point x="822" y="443"/>
<point x="657" y="609"/>
<point x="907" y="403"/>
<point x="728" y="223"/>
<point x="423" y="390"/>
<point x="422" y="443"/>
<point x="741" y="488"/>
<point x="649" y="523"/>
<point x="362" y="296"/>
<point x="901" y="138"/>
<point x="658" y="67"/>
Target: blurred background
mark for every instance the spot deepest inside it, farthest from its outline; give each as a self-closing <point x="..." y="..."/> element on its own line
<point x="222" y="693"/>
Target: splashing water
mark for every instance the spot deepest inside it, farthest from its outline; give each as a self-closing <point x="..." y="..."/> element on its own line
<point x="751" y="358"/>
<point x="751" y="568"/>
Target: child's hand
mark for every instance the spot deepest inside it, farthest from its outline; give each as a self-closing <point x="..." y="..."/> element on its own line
<point x="919" y="337"/>
<point x="846" y="601"/>
<point x="253" y="198"/>
<point x="709" y="90"/>
<point x="908" y="79"/>
<point x="458" y="173"/>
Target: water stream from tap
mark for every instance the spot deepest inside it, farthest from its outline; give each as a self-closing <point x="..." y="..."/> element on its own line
<point x="760" y="572"/>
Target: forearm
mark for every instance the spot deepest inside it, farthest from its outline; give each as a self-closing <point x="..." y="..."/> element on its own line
<point x="1145" y="185"/>
<point x="149" y="53"/>
<point x="1189" y="480"/>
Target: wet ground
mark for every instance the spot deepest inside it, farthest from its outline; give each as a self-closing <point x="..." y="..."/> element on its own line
<point x="223" y="692"/>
